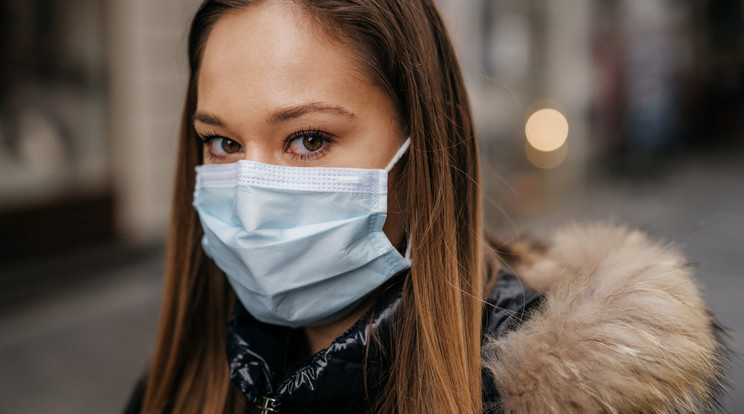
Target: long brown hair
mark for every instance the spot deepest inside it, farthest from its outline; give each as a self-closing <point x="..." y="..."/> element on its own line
<point x="403" y="45"/>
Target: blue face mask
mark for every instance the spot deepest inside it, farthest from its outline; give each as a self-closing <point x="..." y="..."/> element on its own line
<point x="299" y="245"/>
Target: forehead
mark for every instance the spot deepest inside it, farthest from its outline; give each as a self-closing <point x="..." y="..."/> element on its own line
<point x="274" y="53"/>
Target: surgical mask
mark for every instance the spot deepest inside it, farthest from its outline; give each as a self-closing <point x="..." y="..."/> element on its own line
<point x="299" y="245"/>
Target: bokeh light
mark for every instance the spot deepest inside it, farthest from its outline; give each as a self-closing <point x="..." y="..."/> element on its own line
<point x="546" y="130"/>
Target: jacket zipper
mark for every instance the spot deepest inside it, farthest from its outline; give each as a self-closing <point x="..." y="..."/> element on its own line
<point x="265" y="409"/>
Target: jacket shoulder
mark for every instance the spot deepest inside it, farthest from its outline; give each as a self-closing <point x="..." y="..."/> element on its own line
<point x="621" y="328"/>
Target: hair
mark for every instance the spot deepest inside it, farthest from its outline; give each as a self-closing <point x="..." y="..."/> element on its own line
<point x="404" y="47"/>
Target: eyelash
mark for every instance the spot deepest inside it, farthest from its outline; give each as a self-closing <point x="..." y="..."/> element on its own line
<point x="328" y="141"/>
<point x="313" y="133"/>
<point x="205" y="139"/>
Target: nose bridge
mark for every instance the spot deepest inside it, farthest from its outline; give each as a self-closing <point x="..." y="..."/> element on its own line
<point x="259" y="150"/>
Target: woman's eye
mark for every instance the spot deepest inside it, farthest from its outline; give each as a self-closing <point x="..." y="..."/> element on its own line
<point x="223" y="146"/>
<point x="306" y="142"/>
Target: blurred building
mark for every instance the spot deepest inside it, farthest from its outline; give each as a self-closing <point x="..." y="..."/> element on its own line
<point x="90" y="101"/>
<point x="637" y="82"/>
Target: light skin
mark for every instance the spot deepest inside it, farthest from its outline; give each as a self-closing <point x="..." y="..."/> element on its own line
<point x="274" y="88"/>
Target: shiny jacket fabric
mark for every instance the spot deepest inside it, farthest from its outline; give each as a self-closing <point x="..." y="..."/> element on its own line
<point x="333" y="380"/>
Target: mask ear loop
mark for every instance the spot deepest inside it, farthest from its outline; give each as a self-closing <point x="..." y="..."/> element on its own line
<point x="407" y="255"/>
<point x="402" y="150"/>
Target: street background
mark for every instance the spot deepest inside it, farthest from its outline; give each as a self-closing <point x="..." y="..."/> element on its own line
<point x="629" y="111"/>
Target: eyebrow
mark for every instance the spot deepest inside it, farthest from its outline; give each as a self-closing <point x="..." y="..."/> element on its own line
<point x="299" y="110"/>
<point x="281" y="115"/>
<point x="208" y="119"/>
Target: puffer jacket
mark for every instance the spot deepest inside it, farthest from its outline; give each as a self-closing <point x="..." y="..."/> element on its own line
<point x="600" y="320"/>
<point x="333" y="380"/>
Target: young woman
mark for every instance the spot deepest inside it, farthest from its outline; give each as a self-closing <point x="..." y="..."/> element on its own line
<point x="326" y="251"/>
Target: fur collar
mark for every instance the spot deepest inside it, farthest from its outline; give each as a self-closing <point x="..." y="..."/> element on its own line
<point x="622" y="329"/>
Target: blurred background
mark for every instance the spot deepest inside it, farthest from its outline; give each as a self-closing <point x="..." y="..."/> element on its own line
<point x="622" y="110"/>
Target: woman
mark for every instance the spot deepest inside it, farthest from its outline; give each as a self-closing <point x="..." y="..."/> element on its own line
<point x="312" y="123"/>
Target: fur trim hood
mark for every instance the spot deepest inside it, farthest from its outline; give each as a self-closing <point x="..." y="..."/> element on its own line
<point x="622" y="329"/>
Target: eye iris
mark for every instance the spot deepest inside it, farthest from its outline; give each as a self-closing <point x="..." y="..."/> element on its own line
<point x="230" y="146"/>
<point x="312" y="143"/>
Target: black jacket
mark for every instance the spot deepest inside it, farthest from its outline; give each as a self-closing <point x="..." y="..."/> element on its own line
<point x="333" y="380"/>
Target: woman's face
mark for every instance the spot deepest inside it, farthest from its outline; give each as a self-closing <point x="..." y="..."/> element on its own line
<point x="274" y="88"/>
